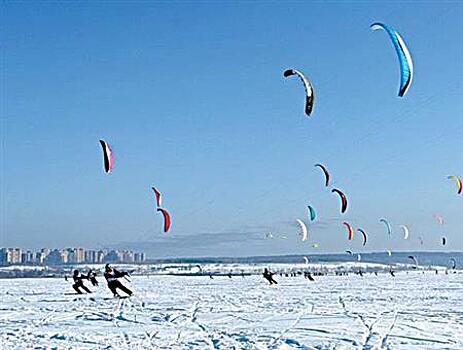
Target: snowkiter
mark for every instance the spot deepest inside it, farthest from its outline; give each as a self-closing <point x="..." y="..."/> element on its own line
<point x="269" y="276"/>
<point x="78" y="283"/>
<point x="92" y="277"/>
<point x="112" y="276"/>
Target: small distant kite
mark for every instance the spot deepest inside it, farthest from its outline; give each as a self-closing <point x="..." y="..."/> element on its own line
<point x="444" y="240"/>
<point x="343" y="199"/>
<point x="414" y="260"/>
<point x="167" y="220"/>
<point x="108" y="157"/>
<point x="406" y="231"/>
<point x="439" y="219"/>
<point x="157" y="196"/>
<point x="325" y="172"/>
<point x="364" y="236"/>
<point x="458" y="182"/>
<point x="304" y="231"/>
<point x="403" y="54"/>
<point x="388" y="225"/>
<point x="312" y="214"/>
<point x="309" y="92"/>
<point x="350" y="231"/>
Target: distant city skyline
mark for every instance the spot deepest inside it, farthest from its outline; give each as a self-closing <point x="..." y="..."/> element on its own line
<point x="56" y="256"/>
<point x="192" y="100"/>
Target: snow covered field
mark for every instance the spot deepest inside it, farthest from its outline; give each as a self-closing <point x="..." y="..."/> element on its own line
<point x="410" y="311"/>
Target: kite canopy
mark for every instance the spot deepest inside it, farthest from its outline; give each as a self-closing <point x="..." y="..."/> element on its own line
<point x="304" y="231"/>
<point x="326" y="173"/>
<point x="403" y="54"/>
<point x="350" y="231"/>
<point x="312" y="214"/>
<point x="167" y="220"/>
<point x="309" y="93"/>
<point x="157" y="196"/>
<point x="388" y="225"/>
<point x="343" y="199"/>
<point x="107" y="156"/>
<point x="406" y="231"/>
<point x="364" y="236"/>
<point x="458" y="182"/>
<point x="414" y="260"/>
<point x="439" y="219"/>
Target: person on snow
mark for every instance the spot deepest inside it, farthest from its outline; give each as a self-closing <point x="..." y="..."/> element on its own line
<point x="269" y="276"/>
<point x="92" y="277"/>
<point x="78" y="282"/>
<point x="112" y="276"/>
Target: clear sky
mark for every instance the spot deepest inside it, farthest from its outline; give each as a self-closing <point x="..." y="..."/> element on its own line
<point x="192" y="99"/>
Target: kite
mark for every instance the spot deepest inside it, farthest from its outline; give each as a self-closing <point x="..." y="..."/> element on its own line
<point x="350" y="231"/>
<point x="167" y="220"/>
<point x="108" y="157"/>
<point x="304" y="231"/>
<point x="343" y="199"/>
<point x="439" y="219"/>
<point x="309" y="93"/>
<point x="312" y="214"/>
<point x="414" y="260"/>
<point x="458" y="182"/>
<point x="420" y="238"/>
<point x="326" y="173"/>
<point x="157" y="196"/>
<point x="388" y="225"/>
<point x="403" y="54"/>
<point x="364" y="236"/>
<point x="406" y="231"/>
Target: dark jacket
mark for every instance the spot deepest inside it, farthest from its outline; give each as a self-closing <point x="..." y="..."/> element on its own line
<point x="78" y="278"/>
<point x="114" y="275"/>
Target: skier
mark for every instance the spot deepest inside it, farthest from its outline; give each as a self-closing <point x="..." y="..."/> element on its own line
<point x="309" y="276"/>
<point x="269" y="276"/>
<point x="92" y="277"/>
<point x="112" y="276"/>
<point x="78" y="283"/>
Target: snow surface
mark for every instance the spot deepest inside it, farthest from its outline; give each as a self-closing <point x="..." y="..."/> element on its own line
<point x="411" y="311"/>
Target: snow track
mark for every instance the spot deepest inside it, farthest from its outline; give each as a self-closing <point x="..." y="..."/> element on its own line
<point x="410" y="311"/>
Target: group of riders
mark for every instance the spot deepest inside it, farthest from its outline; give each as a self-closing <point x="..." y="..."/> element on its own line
<point x="112" y="278"/>
<point x="111" y="275"/>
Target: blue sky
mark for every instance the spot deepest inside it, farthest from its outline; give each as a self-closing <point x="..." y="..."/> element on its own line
<point x="192" y="100"/>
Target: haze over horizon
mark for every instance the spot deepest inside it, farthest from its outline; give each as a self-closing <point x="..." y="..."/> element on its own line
<point x="192" y="99"/>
